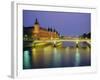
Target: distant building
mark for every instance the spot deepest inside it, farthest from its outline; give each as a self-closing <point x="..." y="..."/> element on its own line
<point x="38" y="32"/>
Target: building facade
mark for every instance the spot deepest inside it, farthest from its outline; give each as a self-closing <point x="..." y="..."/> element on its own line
<point x="43" y="33"/>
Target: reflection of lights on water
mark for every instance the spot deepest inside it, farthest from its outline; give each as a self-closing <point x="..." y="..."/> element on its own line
<point x="53" y="56"/>
<point x="27" y="63"/>
<point x="77" y="57"/>
<point x="67" y="50"/>
<point x="88" y="49"/>
<point x="57" y="58"/>
<point x="55" y="50"/>
<point x="34" y="50"/>
<point x="47" y="49"/>
<point x="34" y="55"/>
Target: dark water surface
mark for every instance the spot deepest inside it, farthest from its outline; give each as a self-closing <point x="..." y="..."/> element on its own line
<point x="52" y="57"/>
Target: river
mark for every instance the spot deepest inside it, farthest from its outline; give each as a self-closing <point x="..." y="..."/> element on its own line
<point x="53" y="57"/>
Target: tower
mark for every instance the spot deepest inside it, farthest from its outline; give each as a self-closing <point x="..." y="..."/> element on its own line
<point x="36" y="27"/>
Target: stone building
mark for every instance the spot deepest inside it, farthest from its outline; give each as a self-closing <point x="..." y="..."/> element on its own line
<point x="43" y="33"/>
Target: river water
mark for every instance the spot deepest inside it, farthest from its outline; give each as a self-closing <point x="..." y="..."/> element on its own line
<point x="53" y="57"/>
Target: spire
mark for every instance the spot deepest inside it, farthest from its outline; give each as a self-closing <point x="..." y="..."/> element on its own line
<point x="36" y="21"/>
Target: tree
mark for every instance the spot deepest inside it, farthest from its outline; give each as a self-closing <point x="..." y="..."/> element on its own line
<point x="89" y="35"/>
<point x="84" y="35"/>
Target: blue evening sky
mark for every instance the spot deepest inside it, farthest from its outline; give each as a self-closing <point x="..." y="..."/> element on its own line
<point x="66" y="23"/>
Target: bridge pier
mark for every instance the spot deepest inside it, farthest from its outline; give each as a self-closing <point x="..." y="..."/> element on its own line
<point x="77" y="44"/>
<point x="54" y="44"/>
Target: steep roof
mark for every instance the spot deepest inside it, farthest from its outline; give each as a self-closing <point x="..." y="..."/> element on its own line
<point x="36" y="21"/>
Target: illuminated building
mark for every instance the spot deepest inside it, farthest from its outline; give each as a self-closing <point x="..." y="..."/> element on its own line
<point x="43" y="33"/>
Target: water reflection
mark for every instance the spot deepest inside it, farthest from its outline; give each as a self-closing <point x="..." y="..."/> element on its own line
<point x="77" y="57"/>
<point x="27" y="63"/>
<point x="49" y="57"/>
<point x="56" y="58"/>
